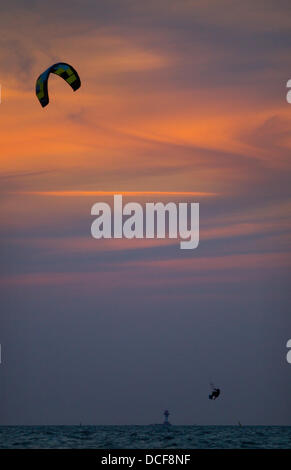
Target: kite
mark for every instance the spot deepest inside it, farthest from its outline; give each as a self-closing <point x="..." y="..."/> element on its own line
<point x="66" y="71"/>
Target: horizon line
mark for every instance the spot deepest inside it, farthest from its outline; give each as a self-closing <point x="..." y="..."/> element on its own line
<point x="75" y="193"/>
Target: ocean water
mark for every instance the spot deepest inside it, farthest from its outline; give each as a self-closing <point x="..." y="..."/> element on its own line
<point x="145" y="437"/>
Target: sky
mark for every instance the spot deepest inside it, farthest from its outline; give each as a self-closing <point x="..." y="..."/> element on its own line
<point x="177" y="97"/>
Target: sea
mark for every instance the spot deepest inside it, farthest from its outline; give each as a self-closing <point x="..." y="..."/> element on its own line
<point x="145" y="437"/>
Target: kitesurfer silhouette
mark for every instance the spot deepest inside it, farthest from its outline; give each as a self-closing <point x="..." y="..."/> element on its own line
<point x="215" y="394"/>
